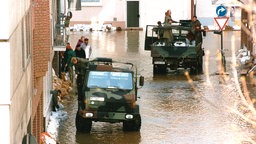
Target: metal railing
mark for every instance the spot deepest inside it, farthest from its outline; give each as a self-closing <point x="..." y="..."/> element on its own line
<point x="60" y="36"/>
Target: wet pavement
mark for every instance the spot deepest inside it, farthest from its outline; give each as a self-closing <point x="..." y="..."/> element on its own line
<point x="175" y="109"/>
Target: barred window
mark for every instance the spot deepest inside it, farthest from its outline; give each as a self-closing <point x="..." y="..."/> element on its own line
<point x="91" y="2"/>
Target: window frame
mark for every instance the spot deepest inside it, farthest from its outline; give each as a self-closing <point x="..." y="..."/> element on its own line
<point x="96" y="3"/>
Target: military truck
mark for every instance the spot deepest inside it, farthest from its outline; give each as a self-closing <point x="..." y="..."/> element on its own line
<point x="108" y="93"/>
<point x="177" y="55"/>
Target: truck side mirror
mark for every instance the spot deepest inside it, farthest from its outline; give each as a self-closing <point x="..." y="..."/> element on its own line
<point x="141" y="82"/>
<point x="217" y="32"/>
<point x="204" y="33"/>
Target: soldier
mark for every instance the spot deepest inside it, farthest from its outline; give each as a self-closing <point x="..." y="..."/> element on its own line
<point x="190" y="39"/>
<point x="167" y="35"/>
<point x="196" y="30"/>
<point x="159" y="30"/>
<point x="80" y="63"/>
<point x="168" y="17"/>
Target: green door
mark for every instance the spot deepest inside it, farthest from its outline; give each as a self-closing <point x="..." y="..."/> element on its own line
<point x="133" y="14"/>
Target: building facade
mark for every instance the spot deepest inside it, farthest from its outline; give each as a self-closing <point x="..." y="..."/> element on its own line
<point x="16" y="76"/>
<point x="26" y="42"/>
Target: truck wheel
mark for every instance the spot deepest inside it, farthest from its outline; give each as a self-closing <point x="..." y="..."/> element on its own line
<point x="132" y="125"/>
<point x="193" y="70"/>
<point x="83" y="124"/>
<point x="155" y="70"/>
<point x="200" y="65"/>
<point x="159" y="69"/>
<point x="200" y="68"/>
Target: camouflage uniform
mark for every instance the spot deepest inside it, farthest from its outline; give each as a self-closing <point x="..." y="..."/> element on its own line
<point x="82" y="64"/>
<point x="196" y="30"/>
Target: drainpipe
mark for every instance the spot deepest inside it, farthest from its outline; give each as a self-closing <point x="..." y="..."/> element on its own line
<point x="195" y="2"/>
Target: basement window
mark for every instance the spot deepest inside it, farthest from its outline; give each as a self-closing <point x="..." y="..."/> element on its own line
<point x="91" y="2"/>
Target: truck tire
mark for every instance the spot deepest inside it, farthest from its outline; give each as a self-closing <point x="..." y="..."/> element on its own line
<point x="193" y="70"/>
<point x="132" y="125"/>
<point x="159" y="69"/>
<point x="200" y="65"/>
<point x="155" y="70"/>
<point x="197" y="68"/>
<point x="82" y="124"/>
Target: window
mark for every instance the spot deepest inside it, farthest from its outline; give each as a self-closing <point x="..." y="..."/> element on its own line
<point x="28" y="35"/>
<point x="91" y="2"/>
<point x="102" y="79"/>
<point x="26" y="40"/>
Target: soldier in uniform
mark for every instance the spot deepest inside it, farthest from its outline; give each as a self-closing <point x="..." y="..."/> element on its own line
<point x="168" y="17"/>
<point x="80" y="63"/>
<point x="196" y="30"/>
<point x="167" y="35"/>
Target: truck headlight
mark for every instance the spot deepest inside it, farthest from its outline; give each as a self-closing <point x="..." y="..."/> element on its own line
<point x="129" y="116"/>
<point x="88" y="114"/>
<point x="159" y="62"/>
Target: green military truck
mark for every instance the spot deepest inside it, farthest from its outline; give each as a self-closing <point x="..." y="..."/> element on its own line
<point x="108" y="93"/>
<point x="178" y="54"/>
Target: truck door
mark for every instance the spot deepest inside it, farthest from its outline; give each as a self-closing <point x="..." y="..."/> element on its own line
<point x="150" y="37"/>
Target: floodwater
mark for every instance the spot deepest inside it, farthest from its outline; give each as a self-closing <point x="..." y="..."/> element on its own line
<point x="175" y="109"/>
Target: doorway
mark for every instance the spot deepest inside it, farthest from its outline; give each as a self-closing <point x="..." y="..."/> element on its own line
<point x="133" y="14"/>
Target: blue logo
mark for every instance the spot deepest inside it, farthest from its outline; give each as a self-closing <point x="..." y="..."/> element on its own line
<point x="221" y="10"/>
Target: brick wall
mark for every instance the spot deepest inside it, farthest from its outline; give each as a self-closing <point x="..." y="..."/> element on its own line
<point x="41" y="37"/>
<point x="37" y="126"/>
<point x="40" y="57"/>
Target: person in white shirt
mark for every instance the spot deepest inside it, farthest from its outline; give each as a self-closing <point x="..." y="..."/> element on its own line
<point x="87" y="48"/>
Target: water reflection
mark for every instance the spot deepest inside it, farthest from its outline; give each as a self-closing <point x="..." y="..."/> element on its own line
<point x="133" y="41"/>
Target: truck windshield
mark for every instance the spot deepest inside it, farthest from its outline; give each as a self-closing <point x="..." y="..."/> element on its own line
<point x="103" y="79"/>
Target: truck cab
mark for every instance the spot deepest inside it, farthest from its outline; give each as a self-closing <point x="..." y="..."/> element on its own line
<point x="109" y="94"/>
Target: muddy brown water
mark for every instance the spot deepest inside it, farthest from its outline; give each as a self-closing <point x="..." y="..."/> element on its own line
<point x="173" y="109"/>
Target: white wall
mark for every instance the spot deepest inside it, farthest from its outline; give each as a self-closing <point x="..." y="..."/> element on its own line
<point x="205" y="8"/>
<point x="16" y="82"/>
<point x="154" y="10"/>
<point x="4" y="26"/>
<point x="11" y="13"/>
<point x="5" y="92"/>
<point x="109" y="10"/>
